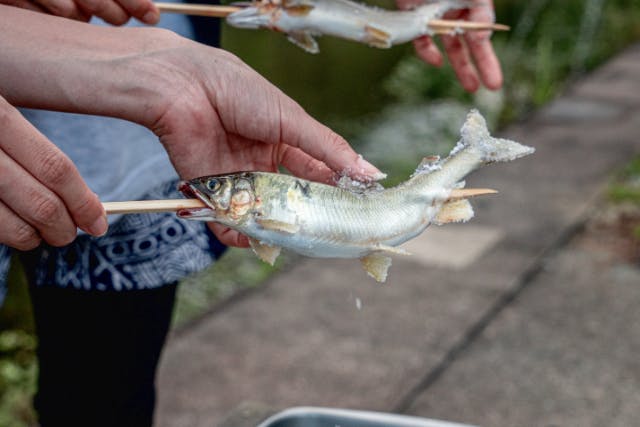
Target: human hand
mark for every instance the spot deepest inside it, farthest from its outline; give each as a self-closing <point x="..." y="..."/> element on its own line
<point x="116" y="12"/>
<point x="473" y="60"/>
<point x="220" y="116"/>
<point x="42" y="195"/>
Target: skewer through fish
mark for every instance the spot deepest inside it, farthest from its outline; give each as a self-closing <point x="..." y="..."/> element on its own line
<point x="317" y="220"/>
<point x="302" y="20"/>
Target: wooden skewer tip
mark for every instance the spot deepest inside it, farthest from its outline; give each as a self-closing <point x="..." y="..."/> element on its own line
<point x="465" y="193"/>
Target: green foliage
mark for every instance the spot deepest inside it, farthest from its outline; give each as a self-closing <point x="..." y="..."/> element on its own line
<point x="549" y="44"/>
<point x="412" y="80"/>
<point x="626" y="186"/>
<point x="17" y="378"/>
<point x="619" y="193"/>
<point x="18" y="365"/>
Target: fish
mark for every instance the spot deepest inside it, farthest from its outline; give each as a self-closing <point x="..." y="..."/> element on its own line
<point x="302" y="20"/>
<point x="368" y="223"/>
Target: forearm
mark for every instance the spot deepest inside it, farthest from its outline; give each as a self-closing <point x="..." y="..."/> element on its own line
<point x="59" y="64"/>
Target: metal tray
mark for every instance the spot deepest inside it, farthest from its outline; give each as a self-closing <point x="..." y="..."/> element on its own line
<point x="329" y="417"/>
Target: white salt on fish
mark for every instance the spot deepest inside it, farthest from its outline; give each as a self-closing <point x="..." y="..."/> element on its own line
<point x="317" y="220"/>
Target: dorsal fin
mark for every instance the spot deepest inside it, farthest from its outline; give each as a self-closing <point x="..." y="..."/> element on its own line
<point x="428" y="165"/>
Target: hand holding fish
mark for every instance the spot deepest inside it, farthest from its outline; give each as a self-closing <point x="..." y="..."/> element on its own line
<point x="236" y="120"/>
<point x="474" y="61"/>
<point x="116" y="12"/>
<point x="318" y="220"/>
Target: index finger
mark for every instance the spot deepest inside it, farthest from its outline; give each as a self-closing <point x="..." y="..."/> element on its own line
<point x="300" y="130"/>
<point x="480" y="47"/>
<point x="143" y="10"/>
<point x="44" y="161"/>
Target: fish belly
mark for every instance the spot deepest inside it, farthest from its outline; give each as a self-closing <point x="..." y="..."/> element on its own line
<point x="331" y="232"/>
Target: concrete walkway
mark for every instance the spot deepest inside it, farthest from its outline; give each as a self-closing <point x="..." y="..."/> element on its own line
<point x="524" y="328"/>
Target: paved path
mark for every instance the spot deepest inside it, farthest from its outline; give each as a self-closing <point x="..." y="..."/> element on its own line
<point x="524" y="328"/>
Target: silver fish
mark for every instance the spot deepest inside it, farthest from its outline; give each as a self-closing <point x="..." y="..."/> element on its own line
<point x="301" y="20"/>
<point x="319" y="220"/>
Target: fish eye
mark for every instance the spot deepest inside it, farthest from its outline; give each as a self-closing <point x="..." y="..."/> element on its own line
<point x="213" y="185"/>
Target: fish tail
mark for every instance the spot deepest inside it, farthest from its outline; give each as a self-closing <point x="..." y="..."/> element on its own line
<point x="475" y="135"/>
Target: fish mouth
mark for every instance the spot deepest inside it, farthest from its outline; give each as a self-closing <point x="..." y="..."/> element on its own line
<point x="207" y="213"/>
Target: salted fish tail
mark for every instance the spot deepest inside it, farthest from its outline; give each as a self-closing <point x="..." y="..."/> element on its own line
<point x="475" y="134"/>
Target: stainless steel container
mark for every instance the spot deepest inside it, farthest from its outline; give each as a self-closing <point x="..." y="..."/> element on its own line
<point x="328" y="417"/>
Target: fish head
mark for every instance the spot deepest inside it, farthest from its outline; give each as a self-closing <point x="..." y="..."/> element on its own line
<point x="261" y="14"/>
<point x="228" y="199"/>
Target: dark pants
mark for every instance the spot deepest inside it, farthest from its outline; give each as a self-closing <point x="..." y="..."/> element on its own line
<point x="98" y="354"/>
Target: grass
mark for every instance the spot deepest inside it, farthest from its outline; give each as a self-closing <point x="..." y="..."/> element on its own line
<point x="626" y="186"/>
<point x="18" y="368"/>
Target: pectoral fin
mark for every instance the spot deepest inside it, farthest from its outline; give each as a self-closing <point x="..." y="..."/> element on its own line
<point x="377" y="37"/>
<point x="305" y="40"/>
<point x="274" y="225"/>
<point x="266" y="253"/>
<point x="376" y="265"/>
<point x="454" y="211"/>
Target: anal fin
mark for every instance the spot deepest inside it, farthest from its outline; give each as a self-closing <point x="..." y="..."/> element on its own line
<point x="377" y="37"/>
<point x="376" y="265"/>
<point x="266" y="253"/>
<point x="454" y="211"/>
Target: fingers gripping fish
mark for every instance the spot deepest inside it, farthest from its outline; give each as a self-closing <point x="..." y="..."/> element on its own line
<point x="301" y="20"/>
<point x="319" y="220"/>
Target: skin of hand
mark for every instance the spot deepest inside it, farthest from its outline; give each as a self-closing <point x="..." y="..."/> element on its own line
<point x="471" y="55"/>
<point x="212" y="113"/>
<point x="115" y="12"/>
<point x="42" y="195"/>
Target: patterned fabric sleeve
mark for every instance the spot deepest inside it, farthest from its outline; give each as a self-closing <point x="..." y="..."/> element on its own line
<point x="139" y="252"/>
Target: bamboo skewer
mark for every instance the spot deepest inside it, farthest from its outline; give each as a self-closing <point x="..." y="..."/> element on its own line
<point x="439" y="26"/>
<point x="151" y="206"/>
<point x="453" y="25"/>
<point x="215" y="11"/>
<point x="174" y="205"/>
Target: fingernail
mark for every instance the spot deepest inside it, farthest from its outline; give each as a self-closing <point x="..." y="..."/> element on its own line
<point x="367" y="169"/>
<point x="99" y="227"/>
<point x="151" y="17"/>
